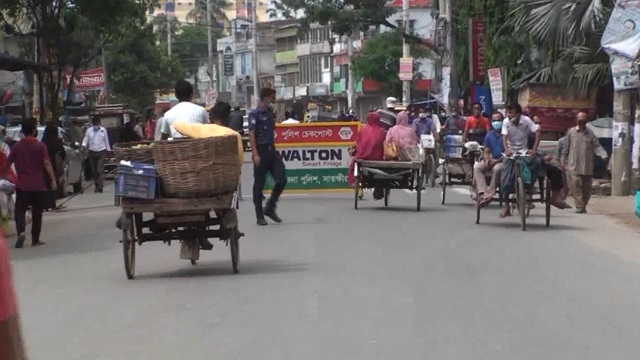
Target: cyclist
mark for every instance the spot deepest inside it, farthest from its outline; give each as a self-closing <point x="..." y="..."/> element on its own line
<point x="516" y="130"/>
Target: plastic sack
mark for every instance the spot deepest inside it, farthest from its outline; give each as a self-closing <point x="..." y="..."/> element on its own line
<point x="7" y="186"/>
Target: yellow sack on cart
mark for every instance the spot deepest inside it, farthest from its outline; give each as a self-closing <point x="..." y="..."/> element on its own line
<point x="203" y="131"/>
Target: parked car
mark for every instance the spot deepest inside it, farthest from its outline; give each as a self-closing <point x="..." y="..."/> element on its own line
<point x="73" y="164"/>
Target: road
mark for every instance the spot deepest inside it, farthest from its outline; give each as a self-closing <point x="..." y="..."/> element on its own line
<point x="335" y="283"/>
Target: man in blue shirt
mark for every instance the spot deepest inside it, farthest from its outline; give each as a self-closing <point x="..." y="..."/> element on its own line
<point x="424" y="124"/>
<point x="492" y="162"/>
<point x="266" y="159"/>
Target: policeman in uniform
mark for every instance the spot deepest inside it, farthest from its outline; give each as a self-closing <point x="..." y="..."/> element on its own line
<point x="266" y="159"/>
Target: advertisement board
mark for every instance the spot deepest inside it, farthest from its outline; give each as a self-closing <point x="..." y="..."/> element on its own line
<point x="316" y="155"/>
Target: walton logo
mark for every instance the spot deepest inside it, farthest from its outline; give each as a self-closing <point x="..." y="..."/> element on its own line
<point x="345" y="133"/>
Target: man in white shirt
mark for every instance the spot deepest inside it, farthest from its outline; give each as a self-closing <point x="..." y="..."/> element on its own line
<point x="185" y="111"/>
<point x="96" y="140"/>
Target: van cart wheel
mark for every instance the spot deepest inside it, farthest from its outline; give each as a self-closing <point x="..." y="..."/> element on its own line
<point x="234" y="244"/>
<point x="431" y="177"/>
<point x="547" y="202"/>
<point x="356" y="190"/>
<point x="521" y="202"/>
<point x="478" y="199"/>
<point x="129" y="246"/>
<point x="443" y="193"/>
<point x="419" y="192"/>
<point x="386" y="196"/>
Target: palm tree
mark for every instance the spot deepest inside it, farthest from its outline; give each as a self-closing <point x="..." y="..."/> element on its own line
<point x="568" y="32"/>
<point x="162" y="24"/>
<point x="198" y="14"/>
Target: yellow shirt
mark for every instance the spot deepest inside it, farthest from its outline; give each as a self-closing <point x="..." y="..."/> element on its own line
<point x="203" y="131"/>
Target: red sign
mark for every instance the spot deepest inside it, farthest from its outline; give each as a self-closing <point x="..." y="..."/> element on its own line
<point x="85" y="80"/>
<point x="412" y="3"/>
<point x="316" y="134"/>
<point x="477" y="49"/>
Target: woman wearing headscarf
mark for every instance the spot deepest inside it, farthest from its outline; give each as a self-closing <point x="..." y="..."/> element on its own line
<point x="57" y="155"/>
<point x="129" y="133"/>
<point x="402" y="134"/>
<point x="369" y="144"/>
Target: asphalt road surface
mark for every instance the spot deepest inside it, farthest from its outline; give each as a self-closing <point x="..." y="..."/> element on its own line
<point x="335" y="283"/>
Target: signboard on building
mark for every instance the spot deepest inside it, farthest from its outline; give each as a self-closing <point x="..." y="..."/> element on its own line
<point x="84" y="80"/>
<point x="477" y="49"/>
<point x="228" y="62"/>
<point x="481" y="94"/>
<point x="406" y="69"/>
<point x="495" y="84"/>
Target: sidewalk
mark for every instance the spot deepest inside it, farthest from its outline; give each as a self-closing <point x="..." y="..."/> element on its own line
<point x="620" y="208"/>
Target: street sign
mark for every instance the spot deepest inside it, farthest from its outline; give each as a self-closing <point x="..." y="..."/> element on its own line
<point x="406" y="69"/>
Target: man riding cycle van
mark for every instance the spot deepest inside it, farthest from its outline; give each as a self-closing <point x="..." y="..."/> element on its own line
<point x="491" y="165"/>
<point x="515" y="135"/>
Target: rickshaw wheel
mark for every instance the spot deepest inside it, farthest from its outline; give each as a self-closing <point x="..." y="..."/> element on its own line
<point x="234" y="245"/>
<point x="387" y="191"/>
<point x="419" y="191"/>
<point x="129" y="246"/>
<point x="356" y="188"/>
<point x="431" y="175"/>
<point x="443" y="193"/>
<point x="478" y="201"/>
<point x="547" y="202"/>
<point x="521" y="202"/>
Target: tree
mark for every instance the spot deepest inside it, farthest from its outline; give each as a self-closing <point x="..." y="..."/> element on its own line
<point x="162" y="25"/>
<point x="379" y="60"/>
<point x="198" y="14"/>
<point x="68" y="33"/>
<point x="344" y="17"/>
<point x="191" y="49"/>
<point x="569" y="31"/>
<point x="139" y="68"/>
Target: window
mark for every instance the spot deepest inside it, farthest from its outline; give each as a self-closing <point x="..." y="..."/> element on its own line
<point x="326" y="62"/>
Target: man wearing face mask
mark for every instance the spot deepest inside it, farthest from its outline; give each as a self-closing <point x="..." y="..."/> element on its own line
<point x="577" y="157"/>
<point x="492" y="162"/>
<point x="96" y="140"/>
<point x="265" y="157"/>
<point x="423" y="125"/>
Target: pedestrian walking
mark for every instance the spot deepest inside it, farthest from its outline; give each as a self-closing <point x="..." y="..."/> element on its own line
<point x="96" y="140"/>
<point x="266" y="159"/>
<point x="580" y="145"/>
<point x="57" y="155"/>
<point x="31" y="159"/>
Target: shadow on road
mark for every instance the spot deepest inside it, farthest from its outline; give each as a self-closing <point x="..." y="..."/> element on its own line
<point x="223" y="268"/>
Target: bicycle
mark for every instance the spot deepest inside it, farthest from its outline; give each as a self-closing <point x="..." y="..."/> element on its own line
<point x="427" y="150"/>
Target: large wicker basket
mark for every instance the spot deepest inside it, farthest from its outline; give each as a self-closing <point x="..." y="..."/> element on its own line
<point x="198" y="167"/>
<point x="125" y="151"/>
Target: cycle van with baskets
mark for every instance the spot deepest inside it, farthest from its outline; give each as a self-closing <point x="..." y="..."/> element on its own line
<point x="459" y="159"/>
<point x="186" y="190"/>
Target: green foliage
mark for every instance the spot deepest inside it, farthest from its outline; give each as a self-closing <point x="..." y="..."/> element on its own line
<point x="379" y="60"/>
<point x="219" y="18"/>
<point x="569" y="32"/>
<point x="70" y="33"/>
<point x="191" y="49"/>
<point x="344" y="17"/>
<point x="138" y="67"/>
<point x="162" y="25"/>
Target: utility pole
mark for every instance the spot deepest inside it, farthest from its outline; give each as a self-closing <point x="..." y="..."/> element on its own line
<point x="450" y="58"/>
<point x="105" y="74"/>
<point x="406" y="52"/>
<point x="210" y="43"/>
<point x="621" y="175"/>
<point x="256" y="66"/>
<point x="351" y="92"/>
<point x="170" y="13"/>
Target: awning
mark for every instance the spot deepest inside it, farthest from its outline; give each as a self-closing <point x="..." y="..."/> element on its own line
<point x="12" y="63"/>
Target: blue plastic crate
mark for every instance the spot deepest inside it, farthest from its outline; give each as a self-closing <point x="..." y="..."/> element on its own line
<point x="139" y="181"/>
